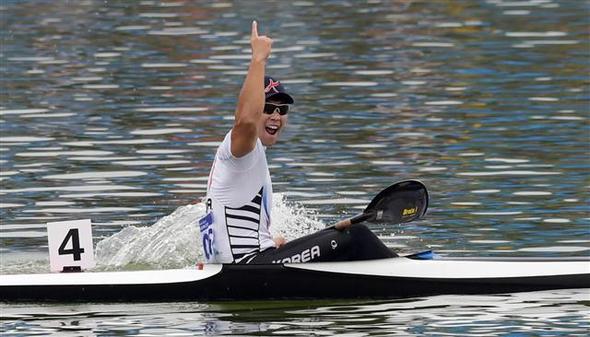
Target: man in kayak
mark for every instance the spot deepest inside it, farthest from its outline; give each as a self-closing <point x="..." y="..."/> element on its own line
<point x="235" y="228"/>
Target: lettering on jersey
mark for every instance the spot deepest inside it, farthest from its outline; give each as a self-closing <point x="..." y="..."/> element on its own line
<point x="306" y="255"/>
<point x="206" y="229"/>
<point x="243" y="225"/>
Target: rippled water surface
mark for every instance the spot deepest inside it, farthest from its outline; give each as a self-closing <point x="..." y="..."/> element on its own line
<point x="527" y="314"/>
<point x="112" y="111"/>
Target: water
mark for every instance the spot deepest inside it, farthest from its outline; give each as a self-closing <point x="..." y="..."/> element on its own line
<point x="527" y="314"/>
<point x="112" y="111"/>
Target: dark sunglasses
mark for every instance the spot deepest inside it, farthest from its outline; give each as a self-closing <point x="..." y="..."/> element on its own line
<point x="270" y="108"/>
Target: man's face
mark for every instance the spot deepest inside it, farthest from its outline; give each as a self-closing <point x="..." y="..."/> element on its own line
<point x="272" y="122"/>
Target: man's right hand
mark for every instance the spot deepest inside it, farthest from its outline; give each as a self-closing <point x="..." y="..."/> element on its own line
<point x="251" y="101"/>
<point x="261" y="45"/>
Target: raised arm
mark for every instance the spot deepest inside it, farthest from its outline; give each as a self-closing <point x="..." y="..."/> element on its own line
<point x="251" y="99"/>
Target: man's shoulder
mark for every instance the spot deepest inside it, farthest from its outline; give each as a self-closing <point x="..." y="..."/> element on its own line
<point x="224" y="149"/>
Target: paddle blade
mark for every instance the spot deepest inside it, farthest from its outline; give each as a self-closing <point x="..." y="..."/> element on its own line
<point x="401" y="202"/>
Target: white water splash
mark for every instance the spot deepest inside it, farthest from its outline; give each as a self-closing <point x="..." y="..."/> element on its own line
<point x="292" y="220"/>
<point x="174" y="240"/>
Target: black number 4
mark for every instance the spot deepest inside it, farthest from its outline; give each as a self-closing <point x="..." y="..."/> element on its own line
<point x="76" y="250"/>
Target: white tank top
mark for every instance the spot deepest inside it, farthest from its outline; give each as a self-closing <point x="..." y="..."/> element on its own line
<point x="239" y="197"/>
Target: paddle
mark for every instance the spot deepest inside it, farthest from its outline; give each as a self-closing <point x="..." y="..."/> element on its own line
<point x="401" y="202"/>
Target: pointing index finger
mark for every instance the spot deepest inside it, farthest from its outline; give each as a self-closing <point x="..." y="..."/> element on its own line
<point x="254" y="29"/>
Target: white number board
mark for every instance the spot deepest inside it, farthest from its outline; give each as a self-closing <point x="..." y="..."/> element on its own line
<point x="70" y="244"/>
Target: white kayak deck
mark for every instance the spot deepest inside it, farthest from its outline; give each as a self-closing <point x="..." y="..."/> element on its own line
<point x="450" y="269"/>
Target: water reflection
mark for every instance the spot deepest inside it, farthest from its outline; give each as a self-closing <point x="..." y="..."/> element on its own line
<point x="550" y="313"/>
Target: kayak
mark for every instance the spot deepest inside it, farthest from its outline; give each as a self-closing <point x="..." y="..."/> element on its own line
<point x="416" y="275"/>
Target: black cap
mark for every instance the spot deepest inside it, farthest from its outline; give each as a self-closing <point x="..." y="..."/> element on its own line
<point x="273" y="88"/>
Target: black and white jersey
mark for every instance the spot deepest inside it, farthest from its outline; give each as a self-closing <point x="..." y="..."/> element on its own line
<point x="240" y="191"/>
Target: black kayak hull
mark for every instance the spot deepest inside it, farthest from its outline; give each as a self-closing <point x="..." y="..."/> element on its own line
<point x="338" y="280"/>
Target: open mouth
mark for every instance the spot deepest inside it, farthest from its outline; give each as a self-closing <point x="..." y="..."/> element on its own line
<point x="272" y="129"/>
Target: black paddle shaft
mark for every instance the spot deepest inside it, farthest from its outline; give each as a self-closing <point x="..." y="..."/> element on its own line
<point x="401" y="202"/>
